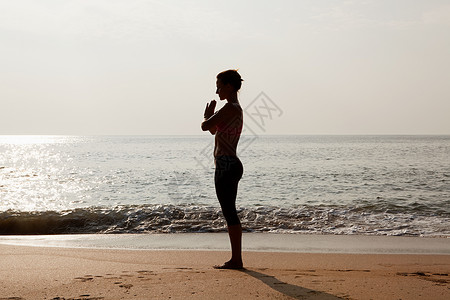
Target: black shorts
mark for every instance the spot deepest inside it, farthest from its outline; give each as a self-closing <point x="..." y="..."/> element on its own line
<point x="228" y="172"/>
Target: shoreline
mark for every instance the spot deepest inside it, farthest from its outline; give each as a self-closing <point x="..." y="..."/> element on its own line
<point x="80" y="273"/>
<point x="255" y="242"/>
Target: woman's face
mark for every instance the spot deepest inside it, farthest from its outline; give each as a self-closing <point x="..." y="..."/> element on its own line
<point x="223" y="90"/>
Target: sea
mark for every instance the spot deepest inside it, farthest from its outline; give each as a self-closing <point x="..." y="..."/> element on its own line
<point x="293" y="184"/>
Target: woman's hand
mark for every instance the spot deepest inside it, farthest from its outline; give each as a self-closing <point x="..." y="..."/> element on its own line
<point x="209" y="110"/>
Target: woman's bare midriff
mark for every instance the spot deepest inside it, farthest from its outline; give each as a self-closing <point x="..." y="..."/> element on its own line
<point x="225" y="144"/>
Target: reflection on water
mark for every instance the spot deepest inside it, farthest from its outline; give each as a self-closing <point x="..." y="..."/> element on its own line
<point x="38" y="172"/>
<point x="39" y="139"/>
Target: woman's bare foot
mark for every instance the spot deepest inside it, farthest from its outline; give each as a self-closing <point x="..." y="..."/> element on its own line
<point x="230" y="265"/>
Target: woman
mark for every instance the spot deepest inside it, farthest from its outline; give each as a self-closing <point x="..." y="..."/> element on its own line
<point x="226" y="125"/>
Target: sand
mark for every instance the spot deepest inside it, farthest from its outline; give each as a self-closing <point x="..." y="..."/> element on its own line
<point x="28" y="272"/>
<point x="269" y="242"/>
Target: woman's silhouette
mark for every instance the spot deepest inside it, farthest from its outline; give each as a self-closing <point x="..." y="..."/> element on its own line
<point x="226" y="125"/>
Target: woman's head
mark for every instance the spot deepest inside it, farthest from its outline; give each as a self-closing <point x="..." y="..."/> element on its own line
<point x="231" y="77"/>
<point x="228" y="83"/>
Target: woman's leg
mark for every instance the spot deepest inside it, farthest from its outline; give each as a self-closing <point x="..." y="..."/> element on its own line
<point x="226" y="193"/>
<point x="226" y="184"/>
<point x="235" y="234"/>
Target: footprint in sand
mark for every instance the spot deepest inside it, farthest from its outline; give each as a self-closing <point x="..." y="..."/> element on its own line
<point x="439" y="278"/>
<point x="126" y="286"/>
<point x="145" y="272"/>
<point x="85" y="278"/>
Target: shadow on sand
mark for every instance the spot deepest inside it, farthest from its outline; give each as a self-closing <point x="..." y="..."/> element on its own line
<point x="290" y="290"/>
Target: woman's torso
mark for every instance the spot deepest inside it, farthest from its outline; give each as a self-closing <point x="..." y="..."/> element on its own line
<point x="228" y="133"/>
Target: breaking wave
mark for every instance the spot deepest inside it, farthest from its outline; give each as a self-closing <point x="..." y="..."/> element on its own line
<point x="363" y="219"/>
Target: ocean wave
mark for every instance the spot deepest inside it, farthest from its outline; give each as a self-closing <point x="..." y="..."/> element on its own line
<point x="363" y="220"/>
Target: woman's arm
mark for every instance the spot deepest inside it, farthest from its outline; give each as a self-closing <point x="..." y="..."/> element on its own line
<point x="209" y="112"/>
<point x="222" y="115"/>
<point x="210" y="124"/>
<point x="205" y="126"/>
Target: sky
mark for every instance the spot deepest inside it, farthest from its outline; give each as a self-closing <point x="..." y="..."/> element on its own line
<point x="132" y="67"/>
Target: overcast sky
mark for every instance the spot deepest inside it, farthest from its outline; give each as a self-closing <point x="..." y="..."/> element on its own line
<point x="149" y="67"/>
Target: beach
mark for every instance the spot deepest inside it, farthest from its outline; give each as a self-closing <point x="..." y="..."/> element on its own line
<point x="38" y="272"/>
<point x="324" y="217"/>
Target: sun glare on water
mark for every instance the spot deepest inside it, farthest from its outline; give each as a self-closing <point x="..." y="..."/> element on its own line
<point x="30" y="139"/>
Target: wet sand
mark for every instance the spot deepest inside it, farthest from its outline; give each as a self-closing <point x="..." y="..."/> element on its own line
<point x="28" y="272"/>
<point x="267" y="242"/>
